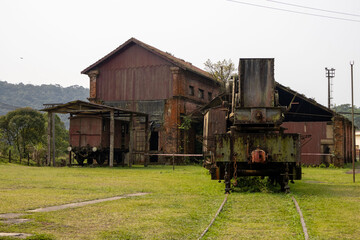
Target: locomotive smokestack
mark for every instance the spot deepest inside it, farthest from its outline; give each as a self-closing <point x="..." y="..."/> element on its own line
<point x="257" y="84"/>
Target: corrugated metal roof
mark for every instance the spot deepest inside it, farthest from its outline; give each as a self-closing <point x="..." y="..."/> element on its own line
<point x="79" y="106"/>
<point x="176" y="61"/>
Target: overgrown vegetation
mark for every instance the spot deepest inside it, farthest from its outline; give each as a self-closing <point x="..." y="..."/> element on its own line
<point x="13" y="96"/>
<point x="346" y="108"/>
<point x="221" y="70"/>
<point x="23" y="132"/>
<point x="255" y="184"/>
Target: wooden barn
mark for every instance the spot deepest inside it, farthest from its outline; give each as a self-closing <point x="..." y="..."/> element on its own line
<point x="138" y="77"/>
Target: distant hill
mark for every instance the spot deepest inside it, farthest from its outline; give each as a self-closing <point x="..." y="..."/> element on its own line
<point x="13" y="96"/>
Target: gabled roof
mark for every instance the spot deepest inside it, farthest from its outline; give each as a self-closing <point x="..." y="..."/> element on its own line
<point x="300" y="107"/>
<point x="176" y="61"/>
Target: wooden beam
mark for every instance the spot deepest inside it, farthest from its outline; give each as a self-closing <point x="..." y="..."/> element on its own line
<point x="48" y="157"/>
<point x="146" y="157"/>
<point x="53" y="138"/>
<point x="112" y="129"/>
<point x="131" y="143"/>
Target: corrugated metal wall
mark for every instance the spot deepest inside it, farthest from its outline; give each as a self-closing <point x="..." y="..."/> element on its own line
<point x="136" y="74"/>
<point x="312" y="144"/>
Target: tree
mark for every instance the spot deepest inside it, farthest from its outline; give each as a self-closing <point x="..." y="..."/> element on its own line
<point x="22" y="128"/>
<point x="61" y="135"/>
<point x="221" y="71"/>
<point x="346" y="108"/>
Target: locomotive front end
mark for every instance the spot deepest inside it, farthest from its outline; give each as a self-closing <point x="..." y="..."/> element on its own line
<point x="253" y="142"/>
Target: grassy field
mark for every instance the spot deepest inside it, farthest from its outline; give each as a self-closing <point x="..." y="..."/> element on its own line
<point x="180" y="205"/>
<point x="328" y="198"/>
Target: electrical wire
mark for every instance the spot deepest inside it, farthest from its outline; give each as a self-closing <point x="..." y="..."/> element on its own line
<point x="317" y="9"/>
<point x="297" y="12"/>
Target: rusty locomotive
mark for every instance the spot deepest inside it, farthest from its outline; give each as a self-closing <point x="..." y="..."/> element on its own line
<point x="89" y="139"/>
<point x="243" y="133"/>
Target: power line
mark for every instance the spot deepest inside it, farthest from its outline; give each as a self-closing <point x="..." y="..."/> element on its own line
<point x="317" y="9"/>
<point x="286" y="10"/>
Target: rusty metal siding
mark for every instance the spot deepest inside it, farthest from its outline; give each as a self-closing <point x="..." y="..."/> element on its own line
<point x="317" y="130"/>
<point x="154" y="108"/>
<point x="85" y="130"/>
<point x="214" y="123"/>
<point x="257" y="82"/>
<point x="135" y="74"/>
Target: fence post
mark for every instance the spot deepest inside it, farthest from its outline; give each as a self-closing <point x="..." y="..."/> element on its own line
<point x="28" y="159"/>
<point x="10" y="156"/>
<point x="173" y="160"/>
<point x="70" y="159"/>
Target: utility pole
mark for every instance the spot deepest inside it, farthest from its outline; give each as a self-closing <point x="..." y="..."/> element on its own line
<point x="330" y="73"/>
<point x="352" y="129"/>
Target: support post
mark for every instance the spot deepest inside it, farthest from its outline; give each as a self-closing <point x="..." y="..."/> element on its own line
<point x="48" y="157"/>
<point x="131" y="143"/>
<point x="146" y="158"/>
<point x="173" y="162"/>
<point x="10" y="156"/>
<point x="112" y="127"/>
<point x="53" y="138"/>
<point x="352" y="129"/>
<point x="69" y="158"/>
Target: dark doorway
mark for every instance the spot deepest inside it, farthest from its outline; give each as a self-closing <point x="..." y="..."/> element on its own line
<point x="154" y="145"/>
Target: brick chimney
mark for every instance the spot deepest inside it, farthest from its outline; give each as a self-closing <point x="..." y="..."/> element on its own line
<point x="93" y="76"/>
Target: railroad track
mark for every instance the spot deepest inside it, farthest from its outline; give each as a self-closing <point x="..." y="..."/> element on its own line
<point x="298" y="209"/>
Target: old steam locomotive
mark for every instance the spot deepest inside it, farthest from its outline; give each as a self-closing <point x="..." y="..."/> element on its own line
<point x="243" y="134"/>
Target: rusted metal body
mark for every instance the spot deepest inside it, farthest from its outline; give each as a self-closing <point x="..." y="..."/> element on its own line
<point x="90" y="138"/>
<point x="100" y="132"/>
<point x="139" y="77"/>
<point x="254" y="144"/>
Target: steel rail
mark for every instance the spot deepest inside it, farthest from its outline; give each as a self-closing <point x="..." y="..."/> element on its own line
<point x="306" y="235"/>
<point x="213" y="220"/>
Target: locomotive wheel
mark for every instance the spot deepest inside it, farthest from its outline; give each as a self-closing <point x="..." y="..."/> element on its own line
<point x="100" y="159"/>
<point x="80" y="160"/>
<point x="284" y="184"/>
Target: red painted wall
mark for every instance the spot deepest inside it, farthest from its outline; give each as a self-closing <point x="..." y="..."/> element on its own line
<point x="312" y="144"/>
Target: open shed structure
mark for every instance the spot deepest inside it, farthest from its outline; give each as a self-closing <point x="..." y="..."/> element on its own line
<point x="104" y="130"/>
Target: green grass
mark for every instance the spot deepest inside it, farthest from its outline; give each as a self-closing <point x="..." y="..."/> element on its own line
<point x="328" y="198"/>
<point x="180" y="205"/>
<point x="331" y="208"/>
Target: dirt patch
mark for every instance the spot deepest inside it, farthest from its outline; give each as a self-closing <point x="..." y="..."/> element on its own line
<point x="18" y="235"/>
<point x="313" y="181"/>
<point x="80" y="204"/>
<point x="357" y="171"/>
<point x="16" y="220"/>
<point x="11" y="215"/>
